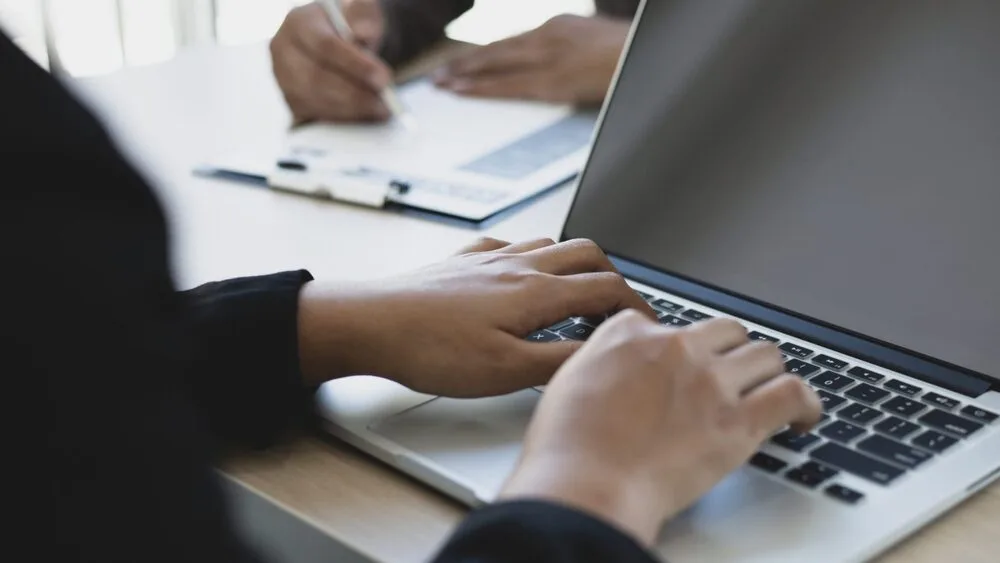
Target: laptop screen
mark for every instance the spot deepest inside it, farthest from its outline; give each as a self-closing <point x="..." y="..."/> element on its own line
<point x="840" y="160"/>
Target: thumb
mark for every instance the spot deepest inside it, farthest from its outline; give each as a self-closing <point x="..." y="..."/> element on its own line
<point x="366" y="21"/>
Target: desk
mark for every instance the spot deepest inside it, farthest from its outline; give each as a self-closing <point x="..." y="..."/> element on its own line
<point x="213" y="99"/>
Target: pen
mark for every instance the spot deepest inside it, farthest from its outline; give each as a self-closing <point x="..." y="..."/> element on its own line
<point x="332" y="8"/>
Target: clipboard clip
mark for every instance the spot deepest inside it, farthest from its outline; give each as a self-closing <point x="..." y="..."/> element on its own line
<point x="357" y="185"/>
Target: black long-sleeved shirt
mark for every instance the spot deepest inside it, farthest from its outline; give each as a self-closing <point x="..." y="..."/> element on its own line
<point x="143" y="382"/>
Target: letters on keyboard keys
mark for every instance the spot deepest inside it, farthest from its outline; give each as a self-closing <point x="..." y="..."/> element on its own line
<point x="979" y="414"/>
<point x="800" y="368"/>
<point x="902" y="388"/>
<point x="671" y="320"/>
<point x="903" y="407"/>
<point x="828" y="362"/>
<point x="867" y="375"/>
<point x="940" y="401"/>
<point x="897" y="427"/>
<point x="542" y="336"/>
<point x="578" y="331"/>
<point x="867" y="393"/>
<point x="832" y="381"/>
<point x="950" y="423"/>
<point x="934" y="441"/>
<point x="763" y="337"/>
<point x="856" y="463"/>
<point x="795" y="350"/>
<point x="794" y="441"/>
<point x="891" y="450"/>
<point x="842" y="432"/>
<point x="767" y="462"/>
<point x="859" y="414"/>
<point x="668" y="306"/>
<point x="842" y="493"/>
<point x="830" y="401"/>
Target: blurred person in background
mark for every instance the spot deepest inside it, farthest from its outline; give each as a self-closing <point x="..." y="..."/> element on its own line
<point x="569" y="59"/>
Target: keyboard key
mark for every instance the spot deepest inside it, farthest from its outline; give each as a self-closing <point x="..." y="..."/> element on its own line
<point x="594" y="321"/>
<point x="561" y="325"/>
<point x="948" y="422"/>
<point x="867" y="394"/>
<point x="842" y="432"/>
<point x="804" y="478"/>
<point x="891" y="450"/>
<point x="543" y="336"/>
<point x="856" y="463"/>
<point x="695" y="315"/>
<point x="578" y="331"/>
<point x="645" y="296"/>
<point x="840" y="492"/>
<point x="903" y="406"/>
<point x="794" y="441"/>
<point x="824" y="471"/>
<point x="832" y="381"/>
<point x="897" y="427"/>
<point x="830" y="401"/>
<point x="668" y="306"/>
<point x="766" y="462"/>
<point x="798" y="367"/>
<point x="763" y="337"/>
<point x="902" y="388"/>
<point x="828" y="362"/>
<point x="979" y="414"/>
<point x="796" y="350"/>
<point x="940" y="401"/>
<point x="934" y="441"/>
<point x="859" y="414"/>
<point x="862" y="373"/>
<point x="671" y="320"/>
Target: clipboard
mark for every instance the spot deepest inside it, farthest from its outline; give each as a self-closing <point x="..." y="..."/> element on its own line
<point x="471" y="161"/>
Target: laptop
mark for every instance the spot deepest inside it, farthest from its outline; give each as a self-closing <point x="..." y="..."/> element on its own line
<point x="826" y="173"/>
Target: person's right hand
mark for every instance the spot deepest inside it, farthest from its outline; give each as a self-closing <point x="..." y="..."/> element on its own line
<point x="326" y="77"/>
<point x="643" y="420"/>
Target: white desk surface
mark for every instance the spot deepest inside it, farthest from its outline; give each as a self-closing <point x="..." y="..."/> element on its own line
<point x="214" y="99"/>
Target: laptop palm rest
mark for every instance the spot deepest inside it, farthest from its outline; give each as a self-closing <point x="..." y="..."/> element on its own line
<point x="477" y="440"/>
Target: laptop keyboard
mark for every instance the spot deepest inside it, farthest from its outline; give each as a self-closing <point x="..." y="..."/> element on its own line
<point x="874" y="427"/>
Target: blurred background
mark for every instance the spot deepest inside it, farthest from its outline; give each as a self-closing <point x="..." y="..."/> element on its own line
<point x="94" y="37"/>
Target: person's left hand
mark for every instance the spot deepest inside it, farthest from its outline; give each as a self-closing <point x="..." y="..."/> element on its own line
<point x="458" y="328"/>
<point x="569" y="59"/>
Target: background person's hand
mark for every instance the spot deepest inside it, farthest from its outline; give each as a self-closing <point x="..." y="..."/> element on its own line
<point x="645" y="419"/>
<point x="569" y="59"/>
<point x="322" y="75"/>
<point x="458" y="328"/>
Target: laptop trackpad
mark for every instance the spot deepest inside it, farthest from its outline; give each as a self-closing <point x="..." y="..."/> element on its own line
<point x="478" y="440"/>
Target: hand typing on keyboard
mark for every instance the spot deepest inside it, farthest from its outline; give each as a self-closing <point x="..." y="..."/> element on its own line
<point x="458" y="328"/>
<point x="645" y="419"/>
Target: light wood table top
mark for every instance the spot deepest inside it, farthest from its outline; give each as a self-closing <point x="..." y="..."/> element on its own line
<point x="215" y="99"/>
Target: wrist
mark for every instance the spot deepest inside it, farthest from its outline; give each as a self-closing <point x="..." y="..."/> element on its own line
<point x="333" y="337"/>
<point x="628" y="504"/>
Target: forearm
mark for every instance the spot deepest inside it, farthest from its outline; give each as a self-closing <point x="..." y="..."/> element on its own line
<point x="414" y="25"/>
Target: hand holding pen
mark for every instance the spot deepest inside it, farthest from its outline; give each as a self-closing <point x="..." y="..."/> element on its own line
<point x="325" y="64"/>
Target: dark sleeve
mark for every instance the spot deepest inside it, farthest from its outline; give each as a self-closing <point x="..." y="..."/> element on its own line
<point x="113" y="362"/>
<point x="414" y="25"/>
<point x="245" y="374"/>
<point x="538" y="532"/>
